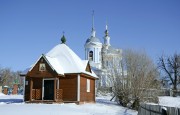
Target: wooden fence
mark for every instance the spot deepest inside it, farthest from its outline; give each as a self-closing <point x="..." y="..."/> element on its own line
<point x="36" y="94"/>
<point x="59" y="95"/>
<point x="147" y="109"/>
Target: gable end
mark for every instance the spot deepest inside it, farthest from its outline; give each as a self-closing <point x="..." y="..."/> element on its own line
<point x="88" y="68"/>
<point x="42" y="68"/>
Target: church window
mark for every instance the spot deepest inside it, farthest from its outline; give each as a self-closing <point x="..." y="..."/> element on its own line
<point x="91" y="56"/>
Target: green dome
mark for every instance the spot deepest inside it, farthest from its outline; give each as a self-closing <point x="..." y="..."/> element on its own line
<point x="63" y="39"/>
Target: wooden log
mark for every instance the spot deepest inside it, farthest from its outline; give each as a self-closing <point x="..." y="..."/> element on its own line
<point x="31" y="87"/>
<point x="55" y="86"/>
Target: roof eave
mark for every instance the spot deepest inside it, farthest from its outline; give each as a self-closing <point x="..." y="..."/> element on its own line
<point x="22" y="75"/>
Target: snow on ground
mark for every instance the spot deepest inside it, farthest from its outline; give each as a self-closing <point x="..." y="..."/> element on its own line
<point x="169" y="101"/>
<point x="14" y="104"/>
<point x="8" y="99"/>
<point x="1" y="94"/>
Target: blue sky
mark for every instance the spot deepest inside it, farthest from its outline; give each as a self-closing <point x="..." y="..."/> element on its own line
<point x="29" y="28"/>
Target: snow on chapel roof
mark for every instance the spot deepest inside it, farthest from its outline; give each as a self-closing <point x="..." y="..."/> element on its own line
<point x="64" y="60"/>
<point x="64" y="57"/>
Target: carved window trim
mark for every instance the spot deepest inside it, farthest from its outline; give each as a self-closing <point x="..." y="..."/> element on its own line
<point x="88" y="85"/>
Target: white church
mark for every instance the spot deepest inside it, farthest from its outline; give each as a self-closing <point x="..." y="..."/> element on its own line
<point x="102" y="56"/>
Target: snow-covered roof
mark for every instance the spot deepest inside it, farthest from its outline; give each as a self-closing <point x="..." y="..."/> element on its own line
<point x="64" y="61"/>
<point x="1" y="94"/>
<point x="55" y="65"/>
<point x="64" y="57"/>
<point x="85" y="62"/>
<point x="23" y="73"/>
<point x="93" y="39"/>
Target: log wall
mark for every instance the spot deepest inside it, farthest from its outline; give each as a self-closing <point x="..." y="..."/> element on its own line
<point x="69" y="86"/>
<point x="84" y="95"/>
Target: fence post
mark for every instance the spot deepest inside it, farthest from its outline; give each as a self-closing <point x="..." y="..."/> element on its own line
<point x="164" y="110"/>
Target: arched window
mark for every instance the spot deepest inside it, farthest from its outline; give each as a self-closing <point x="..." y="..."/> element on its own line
<point x="91" y="56"/>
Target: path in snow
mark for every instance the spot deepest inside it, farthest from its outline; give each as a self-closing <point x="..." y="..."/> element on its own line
<point x="13" y="104"/>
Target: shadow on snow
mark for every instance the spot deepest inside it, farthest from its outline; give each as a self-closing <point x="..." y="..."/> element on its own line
<point x="9" y="101"/>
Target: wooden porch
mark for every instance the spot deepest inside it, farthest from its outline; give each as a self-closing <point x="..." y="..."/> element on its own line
<point x="37" y="95"/>
<point x="37" y="98"/>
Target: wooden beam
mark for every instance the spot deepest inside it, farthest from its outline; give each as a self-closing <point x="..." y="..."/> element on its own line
<point x="78" y="86"/>
<point x="55" y="86"/>
<point x="31" y="87"/>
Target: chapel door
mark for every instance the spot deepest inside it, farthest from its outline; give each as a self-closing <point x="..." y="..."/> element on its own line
<point x="48" y="89"/>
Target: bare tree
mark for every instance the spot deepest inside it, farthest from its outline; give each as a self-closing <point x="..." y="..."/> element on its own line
<point x="137" y="78"/>
<point x="171" y="67"/>
<point x="8" y="77"/>
<point x="5" y="75"/>
<point x="1" y="78"/>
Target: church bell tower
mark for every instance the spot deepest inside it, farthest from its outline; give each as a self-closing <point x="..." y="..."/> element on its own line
<point x="93" y="48"/>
